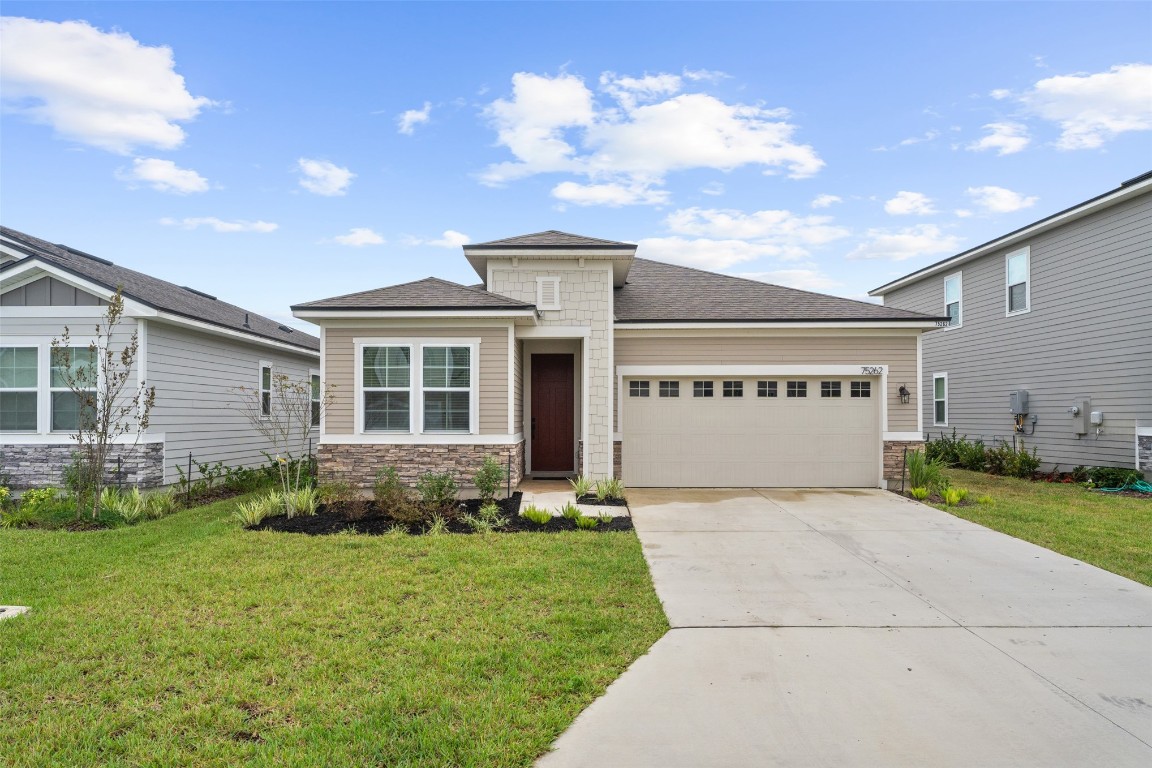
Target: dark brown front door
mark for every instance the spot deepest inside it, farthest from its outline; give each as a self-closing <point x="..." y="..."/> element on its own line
<point x="553" y="439"/>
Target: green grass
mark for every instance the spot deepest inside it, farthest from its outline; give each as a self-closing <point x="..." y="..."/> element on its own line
<point x="1106" y="530"/>
<point x="188" y="641"/>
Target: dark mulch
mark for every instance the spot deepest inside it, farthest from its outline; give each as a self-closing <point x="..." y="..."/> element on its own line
<point x="1129" y="494"/>
<point x="369" y="519"/>
<point x="935" y="498"/>
<point x="610" y="501"/>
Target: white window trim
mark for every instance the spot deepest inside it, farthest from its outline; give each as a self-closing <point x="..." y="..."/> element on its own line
<point x="1027" y="253"/>
<point x="44" y="388"/>
<point x="416" y="433"/>
<point x="260" y="386"/>
<point x="315" y="372"/>
<point x="959" y="278"/>
<point x="935" y="399"/>
<point x="540" y="303"/>
<point x="36" y="390"/>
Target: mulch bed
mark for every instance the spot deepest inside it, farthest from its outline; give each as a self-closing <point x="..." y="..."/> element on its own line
<point x="610" y="501"/>
<point x="370" y="520"/>
<point x="935" y="498"/>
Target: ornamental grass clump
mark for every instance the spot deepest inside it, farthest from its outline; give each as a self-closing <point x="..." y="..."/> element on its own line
<point x="302" y="501"/>
<point x="951" y="496"/>
<point x="253" y="512"/>
<point x="534" y="514"/>
<point x="609" y="488"/>
<point x="585" y="522"/>
<point x="582" y="486"/>
<point x="570" y="511"/>
<point x="924" y="472"/>
<point x="919" y="493"/>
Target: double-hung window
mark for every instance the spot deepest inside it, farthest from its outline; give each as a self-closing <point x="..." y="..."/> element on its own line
<point x="387" y="384"/>
<point x="1019" y="293"/>
<point x="72" y="387"/>
<point x="953" y="299"/>
<point x="447" y="389"/>
<point x="19" y="383"/>
<point x="940" y="399"/>
<point x="315" y="381"/>
<point x="418" y="386"/>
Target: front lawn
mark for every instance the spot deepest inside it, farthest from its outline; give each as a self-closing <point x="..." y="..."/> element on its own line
<point x="188" y="641"/>
<point x="1104" y="529"/>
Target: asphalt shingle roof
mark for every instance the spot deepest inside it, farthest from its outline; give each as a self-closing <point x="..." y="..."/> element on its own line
<point x="657" y="292"/>
<point x="551" y="239"/>
<point x="156" y="293"/>
<point x="429" y="293"/>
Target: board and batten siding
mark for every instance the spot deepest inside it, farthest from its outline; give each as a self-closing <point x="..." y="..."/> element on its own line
<point x="898" y="352"/>
<point x="197" y="407"/>
<point x="49" y="292"/>
<point x="340" y="371"/>
<point x="1088" y="335"/>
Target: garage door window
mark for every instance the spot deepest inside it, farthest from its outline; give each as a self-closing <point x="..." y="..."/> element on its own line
<point x="861" y="389"/>
<point x="765" y="389"/>
<point x="797" y="389"/>
<point x="733" y="389"/>
<point x="638" y="389"/>
<point x="669" y="389"/>
<point x="701" y="389"/>
<point x="829" y="389"/>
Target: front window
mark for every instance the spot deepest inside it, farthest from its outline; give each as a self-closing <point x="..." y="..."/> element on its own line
<point x="387" y="373"/>
<point x="72" y="388"/>
<point x="952" y="291"/>
<point x="1018" y="292"/>
<point x="19" y="380"/>
<point x="447" y="389"/>
<point x="315" y="399"/>
<point x="940" y="399"/>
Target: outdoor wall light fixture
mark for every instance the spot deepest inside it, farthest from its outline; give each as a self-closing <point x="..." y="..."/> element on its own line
<point x="905" y="395"/>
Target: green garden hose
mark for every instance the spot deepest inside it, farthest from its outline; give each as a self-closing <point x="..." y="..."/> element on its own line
<point x="1135" y="485"/>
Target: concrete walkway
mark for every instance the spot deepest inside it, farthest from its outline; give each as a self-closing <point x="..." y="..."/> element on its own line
<point x="856" y="628"/>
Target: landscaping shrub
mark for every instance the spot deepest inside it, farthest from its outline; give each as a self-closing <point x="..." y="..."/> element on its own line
<point x="536" y="515"/>
<point x="609" y="488"/>
<point x="955" y="451"/>
<point x="1112" y="477"/>
<point x="129" y="507"/>
<point x="437" y="491"/>
<point x="951" y="496"/>
<point x="570" y="511"/>
<point x="924" y="472"/>
<point x="488" y="479"/>
<point x="17" y="517"/>
<point x="582" y="486"/>
<point x="1015" y="462"/>
<point x="919" y="493"/>
<point x="586" y="523"/>
<point x="36" y="499"/>
<point x="394" y="499"/>
<point x="343" y="496"/>
<point x="985" y="499"/>
<point x="302" y="501"/>
<point x="488" y="519"/>
<point x="253" y="511"/>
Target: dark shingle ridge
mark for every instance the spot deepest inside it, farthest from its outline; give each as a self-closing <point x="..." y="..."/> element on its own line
<point x="552" y="238"/>
<point x="154" y="292"/>
<point x="428" y="293"/>
<point x="658" y="292"/>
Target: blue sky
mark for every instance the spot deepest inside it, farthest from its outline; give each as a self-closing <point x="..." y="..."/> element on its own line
<point x="275" y="153"/>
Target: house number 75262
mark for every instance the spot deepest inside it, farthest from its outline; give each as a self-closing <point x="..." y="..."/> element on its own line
<point x="871" y="370"/>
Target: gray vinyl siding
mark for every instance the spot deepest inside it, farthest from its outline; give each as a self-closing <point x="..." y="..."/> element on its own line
<point x="196" y="376"/>
<point x="49" y="292"/>
<point x="1088" y="335"/>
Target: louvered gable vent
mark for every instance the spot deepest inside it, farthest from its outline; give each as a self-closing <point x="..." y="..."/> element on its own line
<point x="547" y="293"/>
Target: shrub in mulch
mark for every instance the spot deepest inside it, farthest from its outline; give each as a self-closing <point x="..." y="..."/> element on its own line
<point x="368" y="518"/>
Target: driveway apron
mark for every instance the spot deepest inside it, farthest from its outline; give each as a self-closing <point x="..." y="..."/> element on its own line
<point x="858" y="628"/>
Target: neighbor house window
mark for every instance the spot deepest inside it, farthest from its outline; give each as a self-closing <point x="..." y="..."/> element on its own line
<point x="765" y="389"/>
<point x="315" y="399"/>
<point x="797" y="389"/>
<point x="1019" y="292"/>
<point x="265" y="389"/>
<point x="669" y="389"/>
<point x="69" y="408"/>
<point x="638" y="389"/>
<point x="733" y="389"/>
<point x="19" y="382"/>
<point x="447" y="389"/>
<point x="940" y="399"/>
<point x="952" y="298"/>
<point x="701" y="389"/>
<point x="829" y="389"/>
<point x="861" y="389"/>
<point x="387" y="384"/>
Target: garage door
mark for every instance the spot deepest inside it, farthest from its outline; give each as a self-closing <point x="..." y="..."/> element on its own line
<point x="754" y="432"/>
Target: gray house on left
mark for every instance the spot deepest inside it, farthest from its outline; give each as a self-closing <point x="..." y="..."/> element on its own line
<point x="195" y="349"/>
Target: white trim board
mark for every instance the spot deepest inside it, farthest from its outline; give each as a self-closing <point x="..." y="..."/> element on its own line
<point x="62" y="438"/>
<point x="785" y="326"/>
<point x="751" y="370"/>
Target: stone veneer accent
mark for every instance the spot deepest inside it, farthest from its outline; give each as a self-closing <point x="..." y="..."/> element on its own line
<point x="894" y="458"/>
<point x="1144" y="449"/>
<point x="39" y="466"/>
<point x="357" y="464"/>
<point x="617" y="461"/>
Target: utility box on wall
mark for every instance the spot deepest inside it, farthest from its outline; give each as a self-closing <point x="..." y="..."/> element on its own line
<point x="1018" y="402"/>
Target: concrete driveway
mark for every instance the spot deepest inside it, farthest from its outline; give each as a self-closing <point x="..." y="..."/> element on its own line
<point x="856" y="628"/>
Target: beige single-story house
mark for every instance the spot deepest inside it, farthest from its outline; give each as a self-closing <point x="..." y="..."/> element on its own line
<point x="573" y="356"/>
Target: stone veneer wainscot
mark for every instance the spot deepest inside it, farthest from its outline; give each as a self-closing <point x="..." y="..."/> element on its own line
<point x="358" y="463"/>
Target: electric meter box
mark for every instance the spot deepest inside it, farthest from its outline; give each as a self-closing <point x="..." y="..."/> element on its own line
<point x="1018" y="401"/>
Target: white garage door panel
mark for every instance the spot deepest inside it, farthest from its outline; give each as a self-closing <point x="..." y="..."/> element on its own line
<point x="752" y="441"/>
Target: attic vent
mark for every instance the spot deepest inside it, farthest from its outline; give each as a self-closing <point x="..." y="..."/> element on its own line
<point x="199" y="293"/>
<point x="75" y="252"/>
<point x="286" y="329"/>
<point x="547" y="293"/>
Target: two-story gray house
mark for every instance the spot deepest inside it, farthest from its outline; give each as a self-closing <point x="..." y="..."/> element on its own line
<point x="1049" y="338"/>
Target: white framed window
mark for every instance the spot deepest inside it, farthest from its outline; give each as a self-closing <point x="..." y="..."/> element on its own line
<point x="829" y="389"/>
<point x="638" y="389"/>
<point x="701" y="389"/>
<point x="68" y="407"/>
<point x="1018" y="282"/>
<point x="265" y="389"/>
<point x="447" y="388"/>
<point x="547" y="293"/>
<point x="797" y="389"/>
<point x="953" y="300"/>
<point x="861" y="389"/>
<point x="766" y="389"/>
<point x="669" y="389"/>
<point x="386" y="389"/>
<point x="19" y="389"/>
<point x="314" y="381"/>
<point x="940" y="399"/>
<point x="417" y="386"/>
<point x="733" y="389"/>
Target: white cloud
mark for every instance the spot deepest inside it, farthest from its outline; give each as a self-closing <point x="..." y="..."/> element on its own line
<point x="219" y="225"/>
<point x="360" y="236"/>
<point x="1000" y="94"/>
<point x="708" y="75"/>
<point x="324" y="178"/>
<point x="928" y="136"/>
<point x="804" y="279"/>
<point x="1006" y="138"/>
<point x="962" y="213"/>
<point x="1093" y="108"/>
<point x="785" y="229"/>
<point x="163" y="176"/>
<point x="713" y="188"/>
<point x="825" y="201"/>
<point x="104" y="89"/>
<point x="652" y="128"/>
<point x="999" y="199"/>
<point x="909" y="204"/>
<point x="611" y="194"/>
<point x="908" y="243"/>
<point x="704" y="253"/>
<point x="408" y="120"/>
<point x="450" y="239"/>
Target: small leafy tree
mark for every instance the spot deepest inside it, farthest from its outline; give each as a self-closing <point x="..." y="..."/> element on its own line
<point x="285" y="419"/>
<point x="98" y="377"/>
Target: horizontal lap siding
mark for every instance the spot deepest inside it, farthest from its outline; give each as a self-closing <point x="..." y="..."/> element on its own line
<point x="1088" y="334"/>
<point x="340" y="352"/>
<point x="897" y="352"/>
